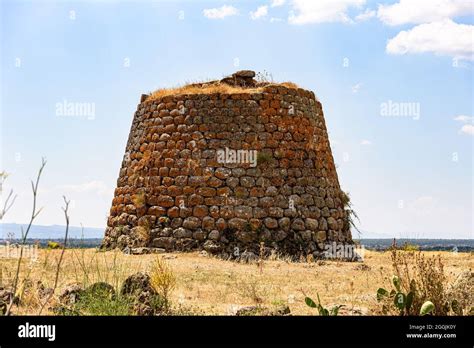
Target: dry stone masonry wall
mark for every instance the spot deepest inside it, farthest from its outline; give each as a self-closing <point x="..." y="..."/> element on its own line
<point x="234" y="174"/>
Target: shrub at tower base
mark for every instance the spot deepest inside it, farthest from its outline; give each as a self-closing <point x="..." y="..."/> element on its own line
<point x="234" y="167"/>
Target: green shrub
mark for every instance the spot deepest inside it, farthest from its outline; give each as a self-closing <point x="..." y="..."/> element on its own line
<point x="410" y="247"/>
<point x="419" y="287"/>
<point x="53" y="245"/>
<point x="139" y="199"/>
<point x="102" y="303"/>
<point x="264" y="157"/>
<point x="403" y="302"/>
<point x="322" y="311"/>
<point x="98" y="299"/>
<point x="405" y="247"/>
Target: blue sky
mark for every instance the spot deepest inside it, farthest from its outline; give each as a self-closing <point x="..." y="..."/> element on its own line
<point x="409" y="175"/>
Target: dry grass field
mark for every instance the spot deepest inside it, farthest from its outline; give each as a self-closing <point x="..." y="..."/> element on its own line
<point x="209" y="286"/>
<point x="212" y="88"/>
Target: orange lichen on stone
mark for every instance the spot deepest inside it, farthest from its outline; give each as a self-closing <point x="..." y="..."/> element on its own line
<point x="227" y="165"/>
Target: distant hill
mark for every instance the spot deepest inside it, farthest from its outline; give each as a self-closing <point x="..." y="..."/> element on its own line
<point x="461" y="245"/>
<point x="92" y="237"/>
<point x="48" y="232"/>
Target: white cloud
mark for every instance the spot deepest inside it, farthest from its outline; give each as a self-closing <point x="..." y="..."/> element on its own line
<point x="423" y="205"/>
<point x="367" y="14"/>
<point x="423" y="11"/>
<point x="275" y="19"/>
<point x="441" y="38"/>
<point x="467" y="129"/>
<point x="260" y="12"/>
<point x="366" y="142"/>
<point x="464" y="119"/>
<point x="221" y="12"/>
<point x="276" y="3"/>
<point x="321" y="11"/>
<point x="356" y="87"/>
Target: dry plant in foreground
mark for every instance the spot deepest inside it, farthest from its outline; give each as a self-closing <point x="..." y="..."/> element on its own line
<point x="34" y="214"/>
<point x="7" y="204"/>
<point x="421" y="286"/>
<point x="162" y="279"/>
<point x="58" y="267"/>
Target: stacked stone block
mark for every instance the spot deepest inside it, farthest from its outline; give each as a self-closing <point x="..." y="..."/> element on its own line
<point x="174" y="193"/>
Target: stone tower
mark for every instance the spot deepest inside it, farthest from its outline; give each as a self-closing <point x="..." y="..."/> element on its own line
<point x="231" y="166"/>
